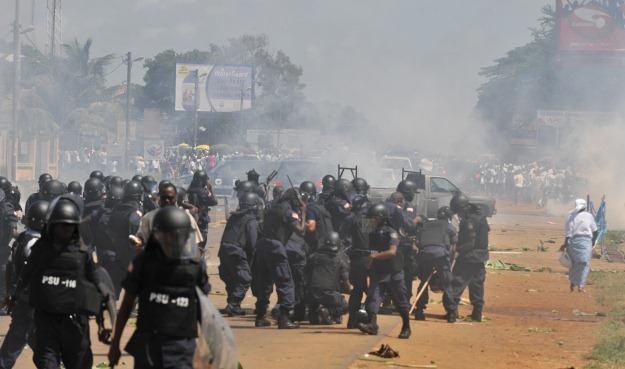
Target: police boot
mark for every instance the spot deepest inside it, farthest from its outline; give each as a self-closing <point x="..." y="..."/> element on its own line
<point x="476" y="315"/>
<point x="324" y="316"/>
<point x="285" y="323"/>
<point x="261" y="321"/>
<point x="405" y="326"/>
<point x="370" y="328"/>
<point x="419" y="314"/>
<point x="451" y="316"/>
<point x="234" y="309"/>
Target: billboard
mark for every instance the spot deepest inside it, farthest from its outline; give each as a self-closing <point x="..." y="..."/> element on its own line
<point x="591" y="26"/>
<point x="220" y="88"/>
<point x="153" y="149"/>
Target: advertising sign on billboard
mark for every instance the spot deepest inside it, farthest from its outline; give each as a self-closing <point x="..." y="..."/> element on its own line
<point x="153" y="149"/>
<point x="220" y="88"/>
<point x="591" y="26"/>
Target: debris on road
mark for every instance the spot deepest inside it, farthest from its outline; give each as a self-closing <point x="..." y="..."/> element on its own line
<point x="385" y="351"/>
<point x="500" y="265"/>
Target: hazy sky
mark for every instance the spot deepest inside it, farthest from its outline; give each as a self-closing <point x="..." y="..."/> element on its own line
<point x="405" y="61"/>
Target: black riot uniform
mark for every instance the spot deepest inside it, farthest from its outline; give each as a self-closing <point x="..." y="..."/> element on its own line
<point x="327" y="276"/>
<point x="472" y="250"/>
<point x="8" y="229"/>
<point x="236" y="251"/>
<point x="163" y="277"/>
<point x="200" y="195"/>
<point x="339" y="204"/>
<point x="357" y="231"/>
<point x="271" y="264"/>
<point x="328" y="183"/>
<point x="93" y="194"/>
<point x="386" y="269"/>
<point x="405" y="220"/>
<point x="317" y="214"/>
<point x="150" y="187"/>
<point x="434" y="259"/>
<point x="63" y="289"/>
<point x="22" y="315"/>
<point x="11" y="193"/>
<point x="123" y="221"/>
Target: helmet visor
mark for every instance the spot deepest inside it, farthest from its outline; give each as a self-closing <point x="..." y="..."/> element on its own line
<point x="176" y="244"/>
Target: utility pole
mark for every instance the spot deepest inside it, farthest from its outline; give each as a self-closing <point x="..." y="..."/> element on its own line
<point x="127" y="136"/>
<point x="196" y="100"/>
<point x="53" y="39"/>
<point x="17" y="72"/>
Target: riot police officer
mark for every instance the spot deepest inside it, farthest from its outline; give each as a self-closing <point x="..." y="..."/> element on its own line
<point x="12" y="195"/>
<point x="63" y="289"/>
<point x="236" y="252"/>
<point x="271" y="265"/>
<point x="123" y="221"/>
<point x="43" y="178"/>
<point x="163" y="277"/>
<point x="150" y="188"/>
<point x="386" y="269"/>
<point x="8" y="231"/>
<point x="327" y="189"/>
<point x="253" y="177"/>
<point x="472" y="251"/>
<point x="52" y="189"/>
<point x="327" y="276"/>
<point x="357" y="230"/>
<point x="22" y="314"/>
<point x="94" y="195"/>
<point x="75" y="187"/>
<point x="200" y="194"/>
<point x="434" y="259"/>
<point x="115" y="181"/>
<point x="339" y="204"/>
<point x="97" y="174"/>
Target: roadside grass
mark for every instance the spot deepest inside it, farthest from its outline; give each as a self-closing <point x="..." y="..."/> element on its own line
<point x="609" y="351"/>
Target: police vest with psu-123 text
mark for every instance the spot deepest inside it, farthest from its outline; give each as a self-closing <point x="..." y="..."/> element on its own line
<point x="168" y="301"/>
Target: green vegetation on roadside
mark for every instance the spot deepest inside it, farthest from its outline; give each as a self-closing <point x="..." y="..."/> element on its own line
<point x="609" y="351"/>
<point x="614" y="238"/>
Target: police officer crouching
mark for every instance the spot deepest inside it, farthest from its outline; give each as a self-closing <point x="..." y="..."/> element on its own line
<point x="386" y="268"/>
<point x="472" y="250"/>
<point x="163" y="277"/>
<point x="63" y="289"/>
<point x="327" y="275"/>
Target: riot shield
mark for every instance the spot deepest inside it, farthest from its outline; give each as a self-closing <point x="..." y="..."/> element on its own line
<point x="215" y="331"/>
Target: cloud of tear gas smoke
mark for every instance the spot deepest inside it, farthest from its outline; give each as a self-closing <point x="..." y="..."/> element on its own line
<point x="599" y="152"/>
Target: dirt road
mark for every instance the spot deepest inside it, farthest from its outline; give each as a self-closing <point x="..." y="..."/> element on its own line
<point x="532" y="319"/>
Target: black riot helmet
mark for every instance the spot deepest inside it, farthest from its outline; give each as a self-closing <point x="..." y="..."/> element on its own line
<point x="331" y="242"/>
<point x="327" y="182"/>
<point x="43" y="178"/>
<point x="253" y="176"/>
<point x="444" y="213"/>
<point x="245" y="187"/>
<point x="360" y="186"/>
<point x="343" y="188"/>
<point x="407" y="188"/>
<point x="248" y="201"/>
<point x="200" y="178"/>
<point x="379" y="212"/>
<point x="52" y="189"/>
<point x="149" y="184"/>
<point x="114" y="197"/>
<point x="359" y="203"/>
<point x="172" y="230"/>
<point x="115" y="181"/>
<point x="308" y="191"/>
<point x="75" y="187"/>
<point x="277" y="192"/>
<point x="36" y="215"/>
<point x="137" y="177"/>
<point x="6" y="186"/>
<point x="63" y="211"/>
<point x="97" y="174"/>
<point x="459" y="203"/>
<point x="133" y="191"/>
<point x="94" y="189"/>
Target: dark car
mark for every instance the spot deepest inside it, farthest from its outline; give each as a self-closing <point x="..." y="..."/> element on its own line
<point x="224" y="175"/>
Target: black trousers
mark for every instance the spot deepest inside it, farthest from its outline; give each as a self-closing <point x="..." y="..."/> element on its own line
<point x="22" y="323"/>
<point x="470" y="275"/>
<point x="358" y="274"/>
<point x="441" y="280"/>
<point x="62" y="338"/>
<point x="394" y="283"/>
<point x="161" y="352"/>
<point x="271" y="266"/>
